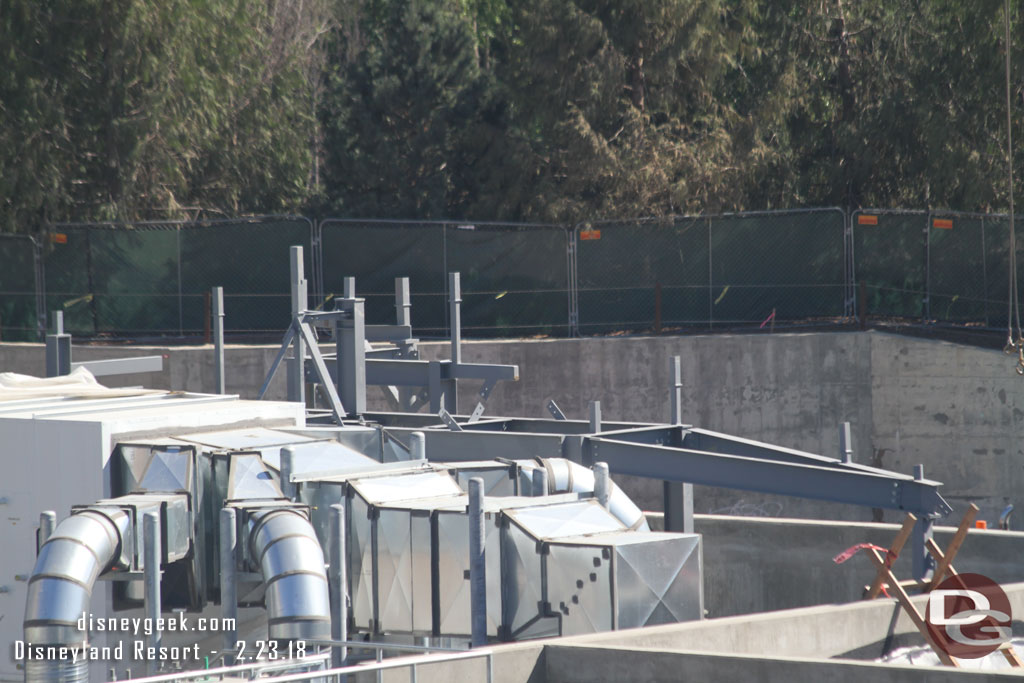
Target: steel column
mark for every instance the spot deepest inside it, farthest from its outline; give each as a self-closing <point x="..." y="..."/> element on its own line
<point x="151" y="579"/>
<point x="477" y="564"/>
<point x="58" y="348"/>
<point x="228" y="581"/>
<point x="218" y="338"/>
<point x="296" y="369"/>
<point x="677" y="497"/>
<point x="338" y="585"/>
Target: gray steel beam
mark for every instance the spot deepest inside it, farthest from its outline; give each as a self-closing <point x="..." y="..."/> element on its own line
<point x="403" y="303"/>
<point x="296" y="372"/>
<point x="455" y="315"/>
<point x="448" y="446"/>
<point x="321" y="369"/>
<point x="839" y="485"/>
<point x="714" y="442"/>
<point x="351" y="356"/>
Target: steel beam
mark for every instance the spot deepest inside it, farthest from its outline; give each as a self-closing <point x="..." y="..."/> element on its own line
<point x="839" y="485"/>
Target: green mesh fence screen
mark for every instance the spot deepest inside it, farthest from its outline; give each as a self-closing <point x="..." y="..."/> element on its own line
<point x="18" y="305"/>
<point x="777" y="267"/>
<point x="514" y="277"/>
<point x="891" y="255"/>
<point x="754" y="269"/>
<point x="153" y="279"/>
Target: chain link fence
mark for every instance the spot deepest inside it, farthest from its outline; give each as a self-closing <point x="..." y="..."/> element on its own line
<point x="933" y="267"/>
<point x="22" y="311"/>
<point x="153" y="279"/>
<point x="514" y="276"/>
<point x="754" y="270"/>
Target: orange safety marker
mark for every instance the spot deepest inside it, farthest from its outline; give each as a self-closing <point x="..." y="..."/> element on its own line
<point x="942" y="223"/>
<point x="867" y="220"/>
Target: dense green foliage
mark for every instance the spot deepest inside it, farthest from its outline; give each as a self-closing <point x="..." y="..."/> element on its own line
<point x="558" y="110"/>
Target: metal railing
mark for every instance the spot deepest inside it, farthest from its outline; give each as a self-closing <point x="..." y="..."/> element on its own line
<point x="762" y="269"/>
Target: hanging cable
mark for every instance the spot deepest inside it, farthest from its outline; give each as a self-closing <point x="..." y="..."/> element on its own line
<point x="1013" y="305"/>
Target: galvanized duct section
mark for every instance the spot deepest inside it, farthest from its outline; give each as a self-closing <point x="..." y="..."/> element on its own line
<point x="565" y="475"/>
<point x="285" y="546"/>
<point x="81" y="548"/>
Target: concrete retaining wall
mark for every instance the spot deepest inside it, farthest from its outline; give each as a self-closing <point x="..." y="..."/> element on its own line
<point x="958" y="410"/>
<point x="759" y="565"/>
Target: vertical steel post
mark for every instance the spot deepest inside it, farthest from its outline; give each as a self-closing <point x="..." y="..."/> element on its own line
<point x="677" y="497"/>
<point x="228" y="581"/>
<point x="477" y="566"/>
<point x="351" y="355"/>
<point x="540" y="481"/>
<point x="845" y="443"/>
<point x="218" y="337"/>
<point x="403" y="302"/>
<point x="47" y="523"/>
<point x="287" y="467"/>
<point x="455" y="305"/>
<point x="595" y="416"/>
<point x="348" y="287"/>
<point x="339" y="585"/>
<point x="418" y="445"/>
<point x="58" y="348"/>
<point x="923" y="562"/>
<point x="151" y="578"/>
<point x="296" y="368"/>
<point x="602" y="483"/>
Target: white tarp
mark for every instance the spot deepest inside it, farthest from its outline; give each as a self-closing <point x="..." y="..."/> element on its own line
<point x="79" y="384"/>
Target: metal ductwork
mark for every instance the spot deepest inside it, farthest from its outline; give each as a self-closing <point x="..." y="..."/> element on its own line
<point x="282" y="542"/>
<point x="81" y="548"/>
<point x="565" y="476"/>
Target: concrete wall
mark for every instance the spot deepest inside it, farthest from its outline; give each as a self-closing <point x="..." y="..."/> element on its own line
<point x="835" y="643"/>
<point x="759" y="565"/>
<point x="958" y="410"/>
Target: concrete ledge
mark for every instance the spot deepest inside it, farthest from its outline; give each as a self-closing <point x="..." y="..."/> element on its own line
<point x="581" y="664"/>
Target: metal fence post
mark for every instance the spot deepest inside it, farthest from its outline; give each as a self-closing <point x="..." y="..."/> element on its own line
<point x="926" y="305"/>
